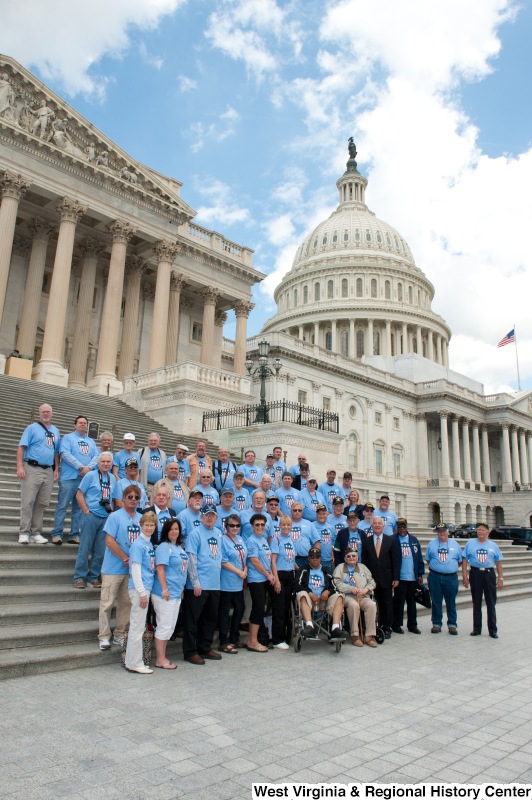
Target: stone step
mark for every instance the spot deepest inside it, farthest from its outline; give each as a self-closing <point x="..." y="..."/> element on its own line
<point x="38" y="613"/>
<point x="41" y="557"/>
<point x="463" y="599"/>
<point x="12" y="547"/>
<point x="35" y="577"/>
<point x="42" y="635"/>
<point x="32" y="593"/>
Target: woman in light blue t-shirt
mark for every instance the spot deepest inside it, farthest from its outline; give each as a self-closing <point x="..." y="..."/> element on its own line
<point x="141" y="575"/>
<point x="171" y="564"/>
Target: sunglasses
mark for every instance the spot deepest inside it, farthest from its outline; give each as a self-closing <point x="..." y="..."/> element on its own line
<point x="231" y="525"/>
<point x="350" y="555"/>
<point x="259" y="525"/>
<point x="133" y="497"/>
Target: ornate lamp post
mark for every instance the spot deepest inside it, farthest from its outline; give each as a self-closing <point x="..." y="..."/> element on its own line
<point x="263" y="370"/>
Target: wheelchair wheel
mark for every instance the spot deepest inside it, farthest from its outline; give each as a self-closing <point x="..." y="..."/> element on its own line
<point x="298" y="641"/>
<point x="291" y="623"/>
<point x="379" y="636"/>
<point x="338" y="646"/>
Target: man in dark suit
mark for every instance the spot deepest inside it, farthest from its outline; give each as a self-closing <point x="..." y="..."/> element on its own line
<point x="162" y="506"/>
<point x="381" y="556"/>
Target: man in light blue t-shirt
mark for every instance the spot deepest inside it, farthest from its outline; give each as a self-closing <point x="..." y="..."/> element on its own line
<point x="330" y="489"/>
<point x="444" y="557"/>
<point x="252" y="472"/>
<point x="484" y="557"/>
<point x="390" y="519"/>
<point x="119" y="461"/>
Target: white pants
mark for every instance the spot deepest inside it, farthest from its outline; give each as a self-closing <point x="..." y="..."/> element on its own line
<point x="166" y="612"/>
<point x="137" y="623"/>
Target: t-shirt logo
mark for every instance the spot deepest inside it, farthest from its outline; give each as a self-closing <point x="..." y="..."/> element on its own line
<point x="355" y="543"/>
<point x="240" y="550"/>
<point x="84" y="448"/>
<point x="106" y="491"/>
<point x="442" y="554"/>
<point x="155" y="461"/>
<point x="178" y="493"/>
<point x="352" y="579"/>
<point x="213" y="544"/>
<point x="267" y="551"/>
<point x="253" y="473"/>
<point x="289" y="551"/>
<point x="482" y="555"/>
<point x="181" y="473"/>
<point x="315" y="582"/>
<point x="184" y="561"/>
<point x="201" y="463"/>
<point x="314" y="501"/>
<point x="289" y="500"/>
<point x="49" y="439"/>
<point x="240" y="501"/>
<point x="331" y="494"/>
<point x="295" y="533"/>
<point x="278" y="469"/>
<point x="209" y="500"/>
<point x="132" y="532"/>
<point x="152" y="562"/>
<point x="325" y="537"/>
<point x="405" y="549"/>
<point x="197" y="523"/>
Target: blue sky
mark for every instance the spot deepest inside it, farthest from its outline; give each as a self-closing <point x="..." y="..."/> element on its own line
<point x="250" y="103"/>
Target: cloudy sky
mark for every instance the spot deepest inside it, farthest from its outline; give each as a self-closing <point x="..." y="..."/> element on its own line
<point x="250" y="104"/>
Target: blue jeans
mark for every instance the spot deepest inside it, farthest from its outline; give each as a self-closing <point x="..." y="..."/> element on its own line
<point x="91" y="543"/>
<point x="442" y="587"/>
<point x="67" y="495"/>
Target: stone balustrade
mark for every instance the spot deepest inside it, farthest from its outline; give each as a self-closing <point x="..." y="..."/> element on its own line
<point x="189" y="371"/>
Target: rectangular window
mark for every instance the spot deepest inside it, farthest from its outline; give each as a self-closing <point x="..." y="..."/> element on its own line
<point x="378" y="418"/>
<point x="398" y="509"/>
<point x="378" y="462"/>
<point x="197" y="331"/>
<point x="301" y="397"/>
<point x="396" y="423"/>
<point x="326" y="403"/>
<point x="94" y="298"/>
<point x="397" y="465"/>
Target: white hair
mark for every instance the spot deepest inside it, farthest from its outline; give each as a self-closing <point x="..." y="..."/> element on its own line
<point x="155" y="434"/>
<point x="105" y="455"/>
<point x="106" y="433"/>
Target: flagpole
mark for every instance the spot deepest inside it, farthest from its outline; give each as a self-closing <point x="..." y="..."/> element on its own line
<point x="517" y="361"/>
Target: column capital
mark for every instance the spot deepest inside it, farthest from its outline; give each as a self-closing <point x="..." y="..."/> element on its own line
<point x="90" y="247"/>
<point x="475" y="423"/>
<point x="339" y="393"/>
<point x="220" y="317"/>
<point x="41" y="228"/>
<point x="177" y="281"/>
<point x="315" y="385"/>
<point x="465" y="420"/>
<point x="506" y="425"/>
<point x="209" y="295"/>
<point x="12" y="185"/>
<point x="528" y="435"/>
<point x="70" y="210"/>
<point x="21" y="246"/>
<point x="444" y="413"/>
<point x="148" y="291"/>
<point x="135" y="266"/>
<point x="421" y="415"/>
<point x="243" y="307"/>
<point x="483" y="427"/>
<point x="165" y="250"/>
<point x="185" y="304"/>
<point x="121" y="231"/>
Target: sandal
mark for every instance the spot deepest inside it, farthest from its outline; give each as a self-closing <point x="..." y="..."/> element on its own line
<point x="228" y="648"/>
<point x="240" y="645"/>
<point x="258" y="649"/>
<point x="166" y="666"/>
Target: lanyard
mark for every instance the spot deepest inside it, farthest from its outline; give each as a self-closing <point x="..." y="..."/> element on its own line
<point x="239" y="550"/>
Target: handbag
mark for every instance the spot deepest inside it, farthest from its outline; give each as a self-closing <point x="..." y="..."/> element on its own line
<point x="147" y="646"/>
<point x="422" y="596"/>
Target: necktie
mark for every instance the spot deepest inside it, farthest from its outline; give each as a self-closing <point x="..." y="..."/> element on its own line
<point x="378" y="547"/>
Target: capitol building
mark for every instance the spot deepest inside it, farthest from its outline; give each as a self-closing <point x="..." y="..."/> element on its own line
<point x="108" y="285"/>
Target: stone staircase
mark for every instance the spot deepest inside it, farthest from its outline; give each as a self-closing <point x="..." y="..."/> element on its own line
<point x="45" y="624"/>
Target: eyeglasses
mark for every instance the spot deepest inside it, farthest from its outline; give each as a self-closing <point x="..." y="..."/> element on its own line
<point x="259" y="524"/>
<point x="133" y="497"/>
<point x="351" y="555"/>
<point x="232" y="525"/>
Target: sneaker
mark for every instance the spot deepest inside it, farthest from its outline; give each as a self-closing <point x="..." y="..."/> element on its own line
<point x="118" y="640"/>
<point x="96" y="584"/>
<point x="38" y="539"/>
<point x="80" y="584"/>
<point x="23" y="538"/>
<point x="281" y="646"/>
<point x="144" y="670"/>
<point x="308" y="630"/>
<point x="105" y="644"/>
<point x="74" y="540"/>
<point x="337" y="634"/>
<point x="57" y="540"/>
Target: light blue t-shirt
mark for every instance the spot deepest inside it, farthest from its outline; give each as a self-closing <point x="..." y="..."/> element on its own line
<point x="94" y="490"/>
<point x="480" y="555"/>
<point x="355" y="541"/>
<point x="223" y="475"/>
<point x="407" y="560"/>
<point x="210" y="495"/>
<point x="155" y="466"/>
<point x="310" y="501"/>
<point x="252" y="473"/>
<point x="122" y="484"/>
<point x="162" y="517"/>
<point x="273" y="527"/>
<point x="189" y="522"/>
<point x="337" y="524"/>
<point x="40" y="446"/>
<point x="329" y="492"/>
<point x="390" y="520"/>
<point x="184" y="467"/>
<point x="349" y="577"/>
<point x="443" y="557"/>
<point x="179" y="502"/>
<point x="287" y="498"/>
<point x="207" y="546"/>
<point x="120" y="459"/>
<point x="327" y="537"/>
<point x="222" y="516"/>
<point x="294" y="470"/>
<point x="142" y="553"/>
<point x="175" y="561"/>
<point x="234" y="552"/>
<point x="76" y="452"/>
<point x="363" y="526"/>
<point x="99" y="451"/>
<point x="304" y="535"/>
<point x="285" y="547"/>
<point x="247" y="530"/>
<point x="316" y="582"/>
<point x="242" y="499"/>
<point x="125" y="530"/>
<point x="258" y="548"/>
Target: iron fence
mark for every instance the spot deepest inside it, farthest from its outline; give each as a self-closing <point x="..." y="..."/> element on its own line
<point x="276" y="411"/>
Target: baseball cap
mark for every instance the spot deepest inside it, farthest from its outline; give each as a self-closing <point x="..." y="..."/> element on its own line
<point x="130" y="436"/>
<point x="351" y="514"/>
<point x="182" y="447"/>
<point x="312" y="478"/>
<point x="131" y="462"/>
<point x="441" y="526"/>
<point x="239" y="474"/>
<point x="402" y="521"/>
<point x="205" y="509"/>
<point x="195" y="491"/>
<point x="369" y="507"/>
<point x="321" y="507"/>
<point x="347" y="475"/>
<point x="272" y="497"/>
<point x="228" y="491"/>
<point x="314" y="551"/>
<point x="337" y="500"/>
<point x="270" y="455"/>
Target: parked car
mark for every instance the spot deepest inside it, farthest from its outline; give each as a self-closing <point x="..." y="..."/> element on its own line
<point x="516" y="533"/>
<point x="465" y="531"/>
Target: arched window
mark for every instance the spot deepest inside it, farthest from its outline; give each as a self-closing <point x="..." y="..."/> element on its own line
<point x="359" y="287"/>
<point x="346" y="236"/>
<point x="305" y="294"/>
<point x="376" y="343"/>
<point x="330" y="290"/>
<point x="389" y="241"/>
<point x="400" y="292"/>
<point x="357" y="236"/>
<point x="316" y="291"/>
<point x="335" y="238"/>
<point x="360" y="344"/>
<point x="379" y="238"/>
<point x="345" y="287"/>
<point x="388" y="290"/>
<point x="328" y="340"/>
<point x="352" y="455"/>
<point x="410" y="296"/>
<point x="315" y="242"/>
<point x="374" y="287"/>
<point x="324" y="240"/>
<point x="368" y="236"/>
<point x="295" y="297"/>
<point x="344" y="343"/>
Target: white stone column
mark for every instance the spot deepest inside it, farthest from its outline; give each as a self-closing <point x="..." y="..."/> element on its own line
<point x="91" y="249"/>
<point x="444" y="436"/>
<point x="523" y="456"/>
<point x="27" y="332"/>
<point x="516" y="472"/>
<point x="165" y="252"/>
<point x="419" y="340"/>
<point x="316" y="333"/>
<point x="456" y="449"/>
<point x="50" y="368"/>
<point x="177" y="283"/>
<point x="423" y="447"/>
<point x="352" y="341"/>
<point x="430" y="346"/>
<point x="466" y="450"/>
<point x="105" y="380"/>
<point x="476" y="452"/>
<point x="334" y="347"/>
<point x="438" y="349"/>
<point x="210" y="297"/>
<point x="135" y="268"/>
<point x="388" y="347"/>
<point x="445" y="352"/>
<point x="405" y="339"/>
<point x="300" y="329"/>
<point x="242" y="309"/>
<point x="486" y="467"/>
<point x="12" y="189"/>
<point x="506" y="458"/>
<point x="529" y="447"/>
<point x="370" y="337"/>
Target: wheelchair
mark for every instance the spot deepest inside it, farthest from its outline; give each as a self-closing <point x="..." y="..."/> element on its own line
<point x="322" y="625"/>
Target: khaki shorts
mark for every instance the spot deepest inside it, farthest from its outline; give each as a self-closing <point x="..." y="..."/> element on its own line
<point x="329" y="608"/>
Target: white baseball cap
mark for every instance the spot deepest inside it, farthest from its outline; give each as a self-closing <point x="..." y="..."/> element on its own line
<point x="130" y="436"/>
<point x="182" y="447"/>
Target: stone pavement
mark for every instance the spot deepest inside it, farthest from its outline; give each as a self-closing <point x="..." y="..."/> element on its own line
<point x="444" y="709"/>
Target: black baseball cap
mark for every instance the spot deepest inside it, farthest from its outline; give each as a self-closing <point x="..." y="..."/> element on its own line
<point x="195" y="491"/>
<point x="337" y="500"/>
<point x="402" y="521"/>
<point x="314" y="551"/>
<point x="321" y="507"/>
<point x="441" y="526"/>
<point x="369" y="507"/>
<point x="131" y="462"/>
<point x="351" y="514"/>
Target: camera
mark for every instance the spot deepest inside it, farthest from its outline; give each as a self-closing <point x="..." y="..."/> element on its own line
<point x="107" y="505"/>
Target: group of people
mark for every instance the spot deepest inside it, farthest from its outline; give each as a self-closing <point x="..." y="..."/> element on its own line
<point x="186" y="540"/>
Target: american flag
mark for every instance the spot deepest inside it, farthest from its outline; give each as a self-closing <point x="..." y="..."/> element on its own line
<point x="508" y="339"/>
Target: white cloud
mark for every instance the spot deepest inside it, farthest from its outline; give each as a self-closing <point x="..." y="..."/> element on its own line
<point x="153" y="61"/>
<point x="225" y="211"/>
<point x="187" y="84"/>
<point x="200" y="132"/>
<point x="64" y="40"/>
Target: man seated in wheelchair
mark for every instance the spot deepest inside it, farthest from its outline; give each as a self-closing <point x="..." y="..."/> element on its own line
<point x="315" y="591"/>
<point x="355" y="583"/>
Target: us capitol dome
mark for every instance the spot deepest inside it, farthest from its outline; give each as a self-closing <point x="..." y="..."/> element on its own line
<point x="354" y="287"/>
